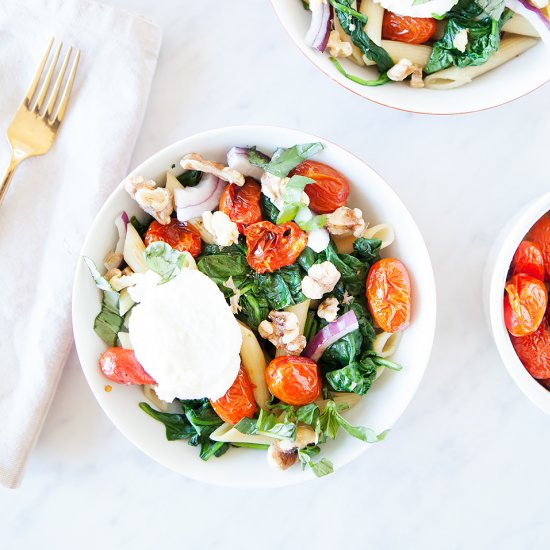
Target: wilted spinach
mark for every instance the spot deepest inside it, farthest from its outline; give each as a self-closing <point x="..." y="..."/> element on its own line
<point x="190" y="178"/>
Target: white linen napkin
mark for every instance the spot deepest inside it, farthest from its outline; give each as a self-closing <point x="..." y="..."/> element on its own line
<point x="53" y="199"/>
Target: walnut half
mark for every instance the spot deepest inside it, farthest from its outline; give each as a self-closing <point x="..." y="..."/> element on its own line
<point x="283" y="332"/>
<point x="156" y="201"/>
<point x="345" y="221"/>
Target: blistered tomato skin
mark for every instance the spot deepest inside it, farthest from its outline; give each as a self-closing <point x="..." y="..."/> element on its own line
<point x="389" y="294"/>
<point x="271" y="246"/>
<point x="524" y="304"/>
<point x="528" y="259"/>
<point x="177" y="234"/>
<point x="242" y="204"/>
<point x="238" y="402"/>
<point x="121" y="366"/>
<point x="294" y="380"/>
<point x="412" y="30"/>
<point x="540" y="235"/>
<point x="330" y="190"/>
<point x="533" y="351"/>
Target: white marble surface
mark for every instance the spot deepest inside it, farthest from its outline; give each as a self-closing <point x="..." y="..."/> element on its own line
<point x="465" y="467"/>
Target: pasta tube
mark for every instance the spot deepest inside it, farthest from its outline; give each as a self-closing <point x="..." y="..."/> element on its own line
<point x="417" y="53"/>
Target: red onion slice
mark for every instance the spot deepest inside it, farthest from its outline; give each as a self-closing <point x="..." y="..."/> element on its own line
<point x="237" y="158"/>
<point x="319" y="29"/>
<point x="331" y="333"/>
<point x="191" y="202"/>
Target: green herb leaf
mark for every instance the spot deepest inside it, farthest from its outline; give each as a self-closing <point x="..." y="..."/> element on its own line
<point x="308" y="414"/>
<point x="177" y="426"/>
<point x="256" y="158"/>
<point x="190" y="178"/>
<point x="357" y="377"/>
<point x="267" y="424"/>
<point x="99" y="279"/>
<point x="292" y="197"/>
<point x="493" y="8"/>
<point x="321" y="468"/>
<point x="383" y="78"/>
<point x="284" y="160"/>
<point x="164" y="260"/>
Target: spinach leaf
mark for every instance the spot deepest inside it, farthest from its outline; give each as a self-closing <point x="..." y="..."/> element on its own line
<point x="483" y="41"/>
<point x="292" y="276"/>
<point x="269" y="211"/>
<point x="331" y="420"/>
<point x="177" y="426"/>
<point x="356" y="377"/>
<point x="367" y="250"/>
<point x="274" y="289"/>
<point x="307" y="258"/>
<point x="353" y="270"/>
<point x="353" y="27"/>
<point x="164" y="260"/>
<point x="219" y="267"/>
<point x="383" y="78"/>
<point x="255" y="309"/>
<point x="190" y="178"/>
<point x="284" y="160"/>
<point x="343" y="351"/>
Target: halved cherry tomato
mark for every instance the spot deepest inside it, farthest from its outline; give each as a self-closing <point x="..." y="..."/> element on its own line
<point x="271" y="246"/>
<point x="238" y="400"/>
<point x="534" y="351"/>
<point x="293" y="380"/>
<point x="524" y="305"/>
<point x="242" y="204"/>
<point x="540" y="235"/>
<point x="178" y="235"/>
<point x="528" y="259"/>
<point x="413" y="30"/>
<point x="330" y="190"/>
<point x="121" y="366"/>
<point x="389" y="294"/>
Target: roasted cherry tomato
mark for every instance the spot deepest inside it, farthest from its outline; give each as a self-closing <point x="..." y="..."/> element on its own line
<point x="238" y="400"/>
<point x="242" y="204"/>
<point x="524" y="305"/>
<point x="413" y="30"/>
<point x="178" y="235"/>
<point x="121" y="366"/>
<point x="540" y="235"/>
<point x="534" y="351"/>
<point x="271" y="246"/>
<point x="294" y="380"/>
<point x="389" y="294"/>
<point x="528" y="259"/>
<point x="330" y="190"/>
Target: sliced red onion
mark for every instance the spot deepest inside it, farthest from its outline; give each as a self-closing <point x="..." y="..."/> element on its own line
<point x="331" y="333"/>
<point x="319" y="29"/>
<point x="191" y="202"/>
<point x="534" y="16"/>
<point x="121" y="222"/>
<point x="237" y="158"/>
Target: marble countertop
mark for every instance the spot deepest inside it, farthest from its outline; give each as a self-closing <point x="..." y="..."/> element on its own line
<point x="465" y="466"/>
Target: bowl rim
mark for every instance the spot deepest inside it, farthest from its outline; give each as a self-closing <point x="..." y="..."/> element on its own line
<point x="402" y="109"/>
<point x="430" y="299"/>
<point x="512" y="234"/>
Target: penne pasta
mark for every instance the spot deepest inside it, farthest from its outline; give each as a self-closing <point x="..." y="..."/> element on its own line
<point x="344" y="243"/>
<point x="417" y="53"/>
<point x="383" y="232"/>
<point x="228" y="434"/>
<point x="150" y="394"/>
<point x="453" y="77"/>
<point x="385" y="344"/>
<point x="172" y="182"/>
<point x="373" y="27"/>
<point x="519" y="25"/>
<point x="254" y="363"/>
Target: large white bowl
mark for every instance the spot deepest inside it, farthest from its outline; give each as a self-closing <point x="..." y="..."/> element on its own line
<point x="516" y="79"/>
<point x="496" y="272"/>
<point x="384" y="403"/>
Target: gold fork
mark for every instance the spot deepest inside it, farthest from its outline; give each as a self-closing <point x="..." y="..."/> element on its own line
<point x="36" y="123"/>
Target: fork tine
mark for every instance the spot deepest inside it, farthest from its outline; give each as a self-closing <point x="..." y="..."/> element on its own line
<point x="47" y="80"/>
<point x="36" y="79"/>
<point x="57" y="85"/>
<point x="67" y="91"/>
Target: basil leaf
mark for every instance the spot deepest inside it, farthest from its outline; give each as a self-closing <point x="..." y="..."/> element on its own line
<point x="257" y="158"/>
<point x="190" y="178"/>
<point x="308" y="414"/>
<point x="493" y="8"/>
<point x="267" y="424"/>
<point x="284" y="160"/>
<point x="177" y="426"/>
<point x="99" y="279"/>
<point x="246" y="426"/>
<point x="164" y="260"/>
<point x="108" y="322"/>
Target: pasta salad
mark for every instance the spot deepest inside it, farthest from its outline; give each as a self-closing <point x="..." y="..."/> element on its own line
<point x="252" y="305"/>
<point x="439" y="44"/>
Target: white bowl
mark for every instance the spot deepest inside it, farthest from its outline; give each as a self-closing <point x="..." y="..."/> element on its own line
<point x="511" y="81"/>
<point x="496" y="272"/>
<point x="384" y="403"/>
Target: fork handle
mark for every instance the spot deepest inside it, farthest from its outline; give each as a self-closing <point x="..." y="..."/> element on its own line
<point x="5" y="182"/>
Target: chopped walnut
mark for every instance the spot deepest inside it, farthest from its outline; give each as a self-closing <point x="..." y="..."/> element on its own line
<point x="320" y="279"/>
<point x="460" y="40"/>
<point x="224" y="231"/>
<point x="345" y="221"/>
<point x="347" y="299"/>
<point x="328" y="309"/>
<point x="284" y="453"/>
<point x="273" y="188"/>
<point x="283" y="332"/>
<point x="405" y="68"/>
<point x="194" y="161"/>
<point x="233" y="300"/>
<point x="112" y="260"/>
<point x="121" y="279"/>
<point x="336" y="47"/>
<point x="156" y="201"/>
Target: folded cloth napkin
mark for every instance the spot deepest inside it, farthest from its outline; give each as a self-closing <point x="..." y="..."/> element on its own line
<point x="53" y="199"/>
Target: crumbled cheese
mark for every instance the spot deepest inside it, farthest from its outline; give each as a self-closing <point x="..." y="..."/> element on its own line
<point x="320" y="279"/>
<point x="224" y="231"/>
<point x="461" y="40"/>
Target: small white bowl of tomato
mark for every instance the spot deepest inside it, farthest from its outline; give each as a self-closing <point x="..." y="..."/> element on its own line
<point x="518" y="279"/>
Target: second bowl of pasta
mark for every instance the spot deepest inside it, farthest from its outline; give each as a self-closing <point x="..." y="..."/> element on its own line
<point x="432" y="57"/>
